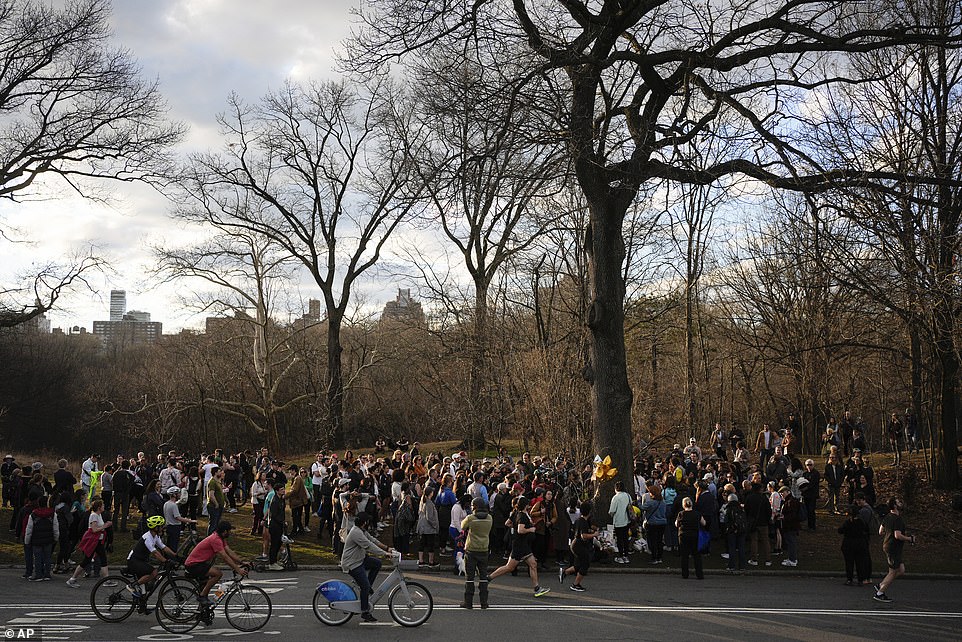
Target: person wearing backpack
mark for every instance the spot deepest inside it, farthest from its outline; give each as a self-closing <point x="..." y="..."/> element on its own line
<point x="41" y="533"/>
<point x="736" y="529"/>
<point x="64" y="515"/>
<point x="122" y="482"/>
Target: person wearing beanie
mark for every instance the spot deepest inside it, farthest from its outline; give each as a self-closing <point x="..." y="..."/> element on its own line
<point x="477" y="527"/>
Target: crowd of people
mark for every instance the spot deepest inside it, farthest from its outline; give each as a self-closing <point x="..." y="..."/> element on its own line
<point x="747" y="499"/>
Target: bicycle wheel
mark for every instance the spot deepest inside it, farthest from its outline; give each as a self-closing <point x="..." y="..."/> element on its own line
<point x="111" y="600"/>
<point x="327" y="615"/>
<point x="414" y="611"/>
<point x="177" y="608"/>
<point x="248" y="608"/>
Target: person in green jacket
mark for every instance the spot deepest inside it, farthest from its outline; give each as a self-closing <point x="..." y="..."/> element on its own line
<point x="477" y="525"/>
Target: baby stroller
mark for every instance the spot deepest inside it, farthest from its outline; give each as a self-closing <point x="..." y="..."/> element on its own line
<point x="285" y="558"/>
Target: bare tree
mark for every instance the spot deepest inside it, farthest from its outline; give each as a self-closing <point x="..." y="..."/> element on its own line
<point x="317" y="170"/>
<point x="75" y="108"/>
<point x="642" y="80"/>
<point x="248" y="275"/>
<point x="907" y="232"/>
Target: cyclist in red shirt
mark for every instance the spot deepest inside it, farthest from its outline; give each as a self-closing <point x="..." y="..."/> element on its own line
<point x="200" y="563"/>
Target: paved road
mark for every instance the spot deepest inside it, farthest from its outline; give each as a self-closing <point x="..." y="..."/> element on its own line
<point x="616" y="607"/>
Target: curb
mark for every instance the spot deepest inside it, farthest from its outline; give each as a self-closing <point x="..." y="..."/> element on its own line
<point x="635" y="571"/>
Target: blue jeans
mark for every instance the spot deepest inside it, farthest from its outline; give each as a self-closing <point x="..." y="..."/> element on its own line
<point x="28" y="560"/>
<point x="365" y="574"/>
<point x="173" y="537"/>
<point x="790" y="540"/>
<point x="41" y="560"/>
<point x="736" y="546"/>
<point x="214" y="514"/>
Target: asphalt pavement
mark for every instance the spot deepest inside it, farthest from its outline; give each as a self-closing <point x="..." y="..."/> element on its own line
<point x="615" y="607"/>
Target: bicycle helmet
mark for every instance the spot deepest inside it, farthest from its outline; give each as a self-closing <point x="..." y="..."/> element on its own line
<point x="155" y="521"/>
<point x="173" y="490"/>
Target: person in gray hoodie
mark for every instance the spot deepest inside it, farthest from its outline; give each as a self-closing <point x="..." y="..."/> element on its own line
<point x="356" y="562"/>
<point x="427" y="530"/>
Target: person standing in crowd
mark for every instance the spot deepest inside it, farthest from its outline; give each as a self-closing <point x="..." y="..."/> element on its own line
<point x="911" y="431"/>
<point x="428" y="526"/>
<point x="896" y="432"/>
<point x="736" y="528"/>
<point x="688" y="522"/>
<point x="258" y="493"/>
<point x="834" y="480"/>
<point x="847" y="426"/>
<point x="63" y="479"/>
<point x="791" y="524"/>
<point x="477" y="527"/>
<point x="758" y="509"/>
<point x="216" y="499"/>
<point x="719" y="442"/>
<point x="523" y="531"/>
<point x="618" y="511"/>
<point x="298" y="499"/>
<point x="276" y="514"/>
<point x="319" y="470"/>
<point x="894" y="537"/>
<point x="811" y="490"/>
<point x="173" y="521"/>
<point x="655" y="515"/>
<point x="89" y="466"/>
<point x="855" y="540"/>
<point x="42" y="531"/>
<point x="765" y="444"/>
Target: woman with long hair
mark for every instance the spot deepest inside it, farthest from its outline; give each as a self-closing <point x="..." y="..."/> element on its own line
<point x="427" y="529"/>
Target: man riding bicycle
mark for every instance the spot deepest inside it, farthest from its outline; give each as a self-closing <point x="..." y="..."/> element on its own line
<point x="356" y="562"/>
<point x="149" y="545"/>
<point x="200" y="562"/>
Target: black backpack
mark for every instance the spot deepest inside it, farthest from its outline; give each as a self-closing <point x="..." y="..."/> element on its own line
<point x="737" y="520"/>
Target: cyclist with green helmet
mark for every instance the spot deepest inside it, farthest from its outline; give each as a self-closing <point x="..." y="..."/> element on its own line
<point x="149" y="545"/>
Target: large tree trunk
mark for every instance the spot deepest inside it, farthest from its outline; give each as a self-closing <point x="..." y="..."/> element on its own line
<point x="611" y="396"/>
<point x="335" y="382"/>
<point x="482" y="410"/>
<point x="945" y="453"/>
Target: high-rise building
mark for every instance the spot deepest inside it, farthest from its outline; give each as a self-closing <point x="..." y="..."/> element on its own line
<point x="137" y="315"/>
<point x="404" y="308"/>
<point x="118" y="304"/>
<point x="128" y="332"/>
<point x="314" y="309"/>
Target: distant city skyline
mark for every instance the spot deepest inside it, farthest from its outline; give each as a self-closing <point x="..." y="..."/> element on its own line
<point x="199" y="51"/>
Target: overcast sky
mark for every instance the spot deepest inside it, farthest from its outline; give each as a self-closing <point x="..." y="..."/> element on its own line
<point x="201" y="50"/>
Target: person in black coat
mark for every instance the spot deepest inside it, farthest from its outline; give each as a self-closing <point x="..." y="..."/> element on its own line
<point x="855" y="539"/>
<point x="811" y="490"/>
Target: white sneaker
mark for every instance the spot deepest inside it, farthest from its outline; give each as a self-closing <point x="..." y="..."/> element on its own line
<point x="231" y="510"/>
<point x="724" y="556"/>
<point x="752" y="563"/>
<point x="275" y="567"/>
<point x="789" y="563"/>
<point x="73" y="583"/>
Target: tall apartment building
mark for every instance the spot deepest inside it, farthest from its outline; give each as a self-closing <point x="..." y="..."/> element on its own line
<point x="118" y="304"/>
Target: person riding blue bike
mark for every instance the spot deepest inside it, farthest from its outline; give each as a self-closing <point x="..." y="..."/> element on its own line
<point x="356" y="561"/>
<point x="138" y="560"/>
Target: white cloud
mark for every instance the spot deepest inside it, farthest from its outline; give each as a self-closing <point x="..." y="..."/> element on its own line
<point x="201" y="51"/>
